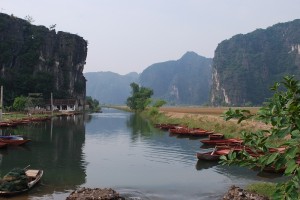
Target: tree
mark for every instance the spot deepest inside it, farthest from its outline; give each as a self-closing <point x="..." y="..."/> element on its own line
<point x="159" y="103"/>
<point x="29" y="19"/>
<point x="52" y="26"/>
<point x="140" y="97"/>
<point x="282" y="113"/>
<point x="94" y="105"/>
<point x="20" y="103"/>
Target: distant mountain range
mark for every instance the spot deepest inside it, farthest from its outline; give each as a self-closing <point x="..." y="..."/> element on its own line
<point x="241" y="72"/>
<point x="183" y="81"/>
<point x="109" y="87"/>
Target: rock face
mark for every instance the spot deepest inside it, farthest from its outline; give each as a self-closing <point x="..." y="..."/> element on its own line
<point x="246" y="66"/>
<point x="184" y="81"/>
<point x="34" y="59"/>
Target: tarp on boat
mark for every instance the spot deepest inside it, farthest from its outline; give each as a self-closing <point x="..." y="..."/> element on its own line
<point x="15" y="180"/>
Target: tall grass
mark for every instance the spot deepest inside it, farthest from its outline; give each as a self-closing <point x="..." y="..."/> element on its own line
<point x="207" y="122"/>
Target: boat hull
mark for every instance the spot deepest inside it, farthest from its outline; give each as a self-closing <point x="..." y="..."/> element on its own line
<point x="33" y="180"/>
<point x="14" y="142"/>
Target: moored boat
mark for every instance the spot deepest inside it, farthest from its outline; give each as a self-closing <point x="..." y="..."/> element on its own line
<point x="223" y="141"/>
<point x="196" y="132"/>
<point x="13" y="140"/>
<point x="199" y="132"/>
<point x="213" y="155"/>
<point x="166" y="126"/>
<point x="216" y="136"/>
<point x="19" y="181"/>
<point x="208" y="156"/>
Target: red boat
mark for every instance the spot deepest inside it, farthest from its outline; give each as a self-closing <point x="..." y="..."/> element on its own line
<point x="166" y="126"/>
<point x="213" y="155"/>
<point x="199" y="132"/>
<point x="13" y="140"/>
<point x="179" y="130"/>
<point x="224" y="141"/>
<point x="189" y="132"/>
<point x="216" y="136"/>
<point x="7" y="124"/>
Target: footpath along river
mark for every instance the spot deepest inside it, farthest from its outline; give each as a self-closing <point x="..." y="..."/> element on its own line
<point x="122" y="151"/>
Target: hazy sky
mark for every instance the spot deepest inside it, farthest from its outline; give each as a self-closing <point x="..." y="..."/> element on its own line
<point x="130" y="35"/>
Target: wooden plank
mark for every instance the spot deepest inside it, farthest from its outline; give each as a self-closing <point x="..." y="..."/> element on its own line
<point x="32" y="173"/>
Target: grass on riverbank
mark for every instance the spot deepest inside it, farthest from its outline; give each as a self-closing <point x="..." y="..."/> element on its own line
<point x="265" y="189"/>
<point x="205" y="118"/>
<point x="11" y="116"/>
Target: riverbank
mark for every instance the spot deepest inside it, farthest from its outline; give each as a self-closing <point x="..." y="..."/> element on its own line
<point x="207" y="118"/>
<point x="16" y="118"/>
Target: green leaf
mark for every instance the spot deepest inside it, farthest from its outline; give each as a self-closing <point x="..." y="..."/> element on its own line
<point x="272" y="158"/>
<point x="291" y="152"/>
<point x="291" y="166"/>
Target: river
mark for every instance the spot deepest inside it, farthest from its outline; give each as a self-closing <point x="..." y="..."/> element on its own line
<point x="120" y="150"/>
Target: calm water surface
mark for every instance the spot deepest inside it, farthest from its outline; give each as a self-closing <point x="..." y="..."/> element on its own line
<point x="123" y="151"/>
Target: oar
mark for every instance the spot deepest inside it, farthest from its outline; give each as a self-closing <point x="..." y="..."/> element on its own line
<point x="27" y="167"/>
<point x="212" y="153"/>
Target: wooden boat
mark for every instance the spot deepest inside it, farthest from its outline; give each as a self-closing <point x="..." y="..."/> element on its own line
<point x="216" y="136"/>
<point x="208" y="156"/>
<point x="33" y="177"/>
<point x="166" y="126"/>
<point x="199" y="132"/>
<point x="13" y="140"/>
<point x="179" y="130"/>
<point x="7" y="124"/>
<point x="39" y="119"/>
<point x="213" y="155"/>
<point x="189" y="131"/>
<point x="223" y="141"/>
<point x="278" y="149"/>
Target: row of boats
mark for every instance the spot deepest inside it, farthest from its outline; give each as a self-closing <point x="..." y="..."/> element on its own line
<point x="18" y="180"/>
<point x="16" y="122"/>
<point x="184" y="130"/>
<point x="218" y="145"/>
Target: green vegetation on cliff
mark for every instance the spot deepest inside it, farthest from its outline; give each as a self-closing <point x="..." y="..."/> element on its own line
<point x="34" y="59"/>
<point x="245" y="66"/>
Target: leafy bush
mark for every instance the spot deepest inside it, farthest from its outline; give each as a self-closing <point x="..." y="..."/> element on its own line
<point x="282" y="113"/>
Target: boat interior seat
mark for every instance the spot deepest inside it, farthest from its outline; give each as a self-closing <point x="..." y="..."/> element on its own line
<point x="32" y="173"/>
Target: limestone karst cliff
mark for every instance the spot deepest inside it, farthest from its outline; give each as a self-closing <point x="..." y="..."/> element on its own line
<point x="246" y="66"/>
<point x="34" y="59"/>
<point x="185" y="81"/>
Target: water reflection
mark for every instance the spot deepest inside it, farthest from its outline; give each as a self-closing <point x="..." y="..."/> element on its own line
<point x="56" y="147"/>
<point x="123" y="151"/>
<point x="201" y="164"/>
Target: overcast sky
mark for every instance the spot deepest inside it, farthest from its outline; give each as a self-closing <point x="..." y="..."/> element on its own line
<point x="130" y="35"/>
